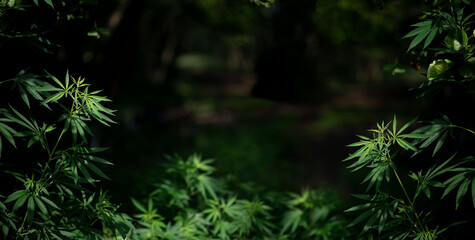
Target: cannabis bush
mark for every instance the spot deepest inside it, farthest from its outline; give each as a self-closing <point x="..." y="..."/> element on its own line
<point x="405" y="213"/>
<point x="56" y="197"/>
<point x="190" y="203"/>
<point x="50" y="181"/>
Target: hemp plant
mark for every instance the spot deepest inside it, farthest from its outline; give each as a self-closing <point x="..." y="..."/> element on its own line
<point x="394" y="207"/>
<point x="192" y="203"/>
<point x="56" y="195"/>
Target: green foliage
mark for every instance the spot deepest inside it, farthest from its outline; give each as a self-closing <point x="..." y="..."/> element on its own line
<point x="385" y="211"/>
<point x="54" y="196"/>
<point x="215" y="210"/>
<point x="265" y="3"/>
<point x="54" y="173"/>
<point x="443" y="17"/>
<point x="53" y="200"/>
<point x="403" y="214"/>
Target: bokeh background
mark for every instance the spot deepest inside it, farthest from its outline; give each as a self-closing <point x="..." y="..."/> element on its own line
<point x="273" y="94"/>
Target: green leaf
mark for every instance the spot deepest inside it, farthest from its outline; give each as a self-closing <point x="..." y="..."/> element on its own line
<point x="96" y="170"/>
<point x="359" y="207"/>
<point x="358" y="153"/>
<point x="431" y="37"/>
<point x="53" y="98"/>
<point x="421" y="24"/>
<point x="15" y="195"/>
<point x="33" y="140"/>
<point x="371" y="221"/>
<point x="7" y="133"/>
<point x="41" y="205"/>
<point x="207" y="185"/>
<point x="440" y="170"/>
<point x="25" y="134"/>
<point x="394" y="124"/>
<point x="291" y="220"/>
<point x="438" y="67"/>
<point x="426" y="191"/>
<point x="47" y="89"/>
<point x="74" y="171"/>
<point x="432" y="137"/>
<point x="454" y="181"/>
<point x="49" y="202"/>
<point x="99" y="160"/>
<point x="67" y="124"/>
<point x="406" y="145"/>
<point x="67" y="71"/>
<point x="31" y="210"/>
<point x="360" y="218"/>
<point x="420" y="33"/>
<point x="420" y="27"/>
<point x="456" y="39"/>
<point x="413" y="135"/>
<point x="461" y="192"/>
<point x="80" y="130"/>
<point x="24" y="96"/>
<point x="53" y="77"/>
<point x="85" y="127"/>
<point x="138" y="205"/>
<point x="473" y="191"/>
<point x="357" y="144"/>
<point x="74" y="130"/>
<point x="439" y="143"/>
<point x="68" y="234"/>
<point x="20" y="202"/>
<point x="85" y="173"/>
<point x="24" y="122"/>
<point x="406" y="126"/>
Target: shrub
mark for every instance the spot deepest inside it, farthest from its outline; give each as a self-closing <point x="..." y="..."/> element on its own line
<point x="406" y="212"/>
<point x="190" y="203"/>
<point x="57" y="197"/>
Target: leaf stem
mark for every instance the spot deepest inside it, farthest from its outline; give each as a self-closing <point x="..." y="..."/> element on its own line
<point x="466" y="129"/>
<point x="8" y="80"/>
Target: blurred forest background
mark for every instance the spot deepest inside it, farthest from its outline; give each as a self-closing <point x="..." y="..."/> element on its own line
<point x="273" y="94"/>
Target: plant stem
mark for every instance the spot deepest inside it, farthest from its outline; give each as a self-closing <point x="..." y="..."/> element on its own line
<point x="466" y="129"/>
<point x="22" y="224"/>
<point x="421" y="227"/>
<point x="52" y="153"/>
<point x="56" y="145"/>
<point x="8" y="80"/>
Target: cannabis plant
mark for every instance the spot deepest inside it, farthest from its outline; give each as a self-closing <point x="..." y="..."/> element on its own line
<point x="50" y="174"/>
<point x="55" y="195"/>
<point x="191" y="203"/>
<point x="397" y="202"/>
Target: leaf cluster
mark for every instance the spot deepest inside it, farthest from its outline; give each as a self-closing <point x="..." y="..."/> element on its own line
<point x="453" y="63"/>
<point x="402" y="214"/>
<point x="183" y="206"/>
<point x="56" y="197"/>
